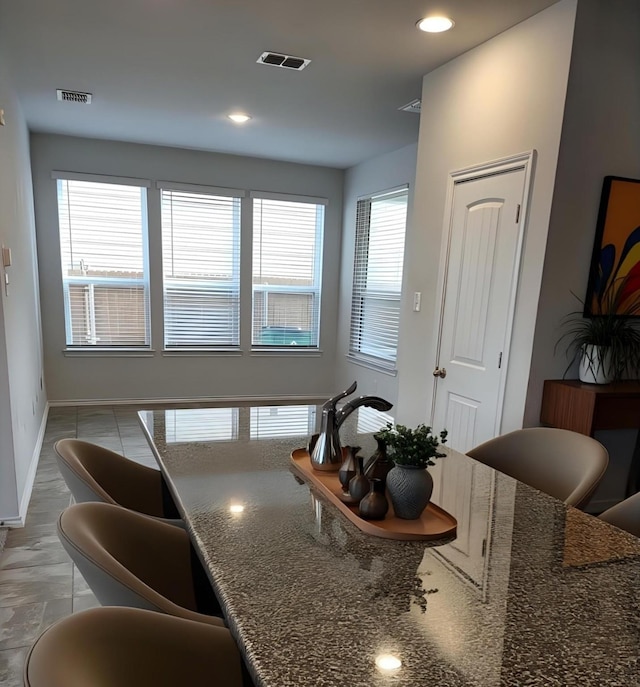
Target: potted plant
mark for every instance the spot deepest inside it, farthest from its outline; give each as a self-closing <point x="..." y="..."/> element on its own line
<point x="606" y="343"/>
<point x="412" y="450"/>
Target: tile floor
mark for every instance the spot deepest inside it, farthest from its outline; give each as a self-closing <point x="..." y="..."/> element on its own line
<point x="38" y="582"/>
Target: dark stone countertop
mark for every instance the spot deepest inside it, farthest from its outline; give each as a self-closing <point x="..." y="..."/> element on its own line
<point x="529" y="593"/>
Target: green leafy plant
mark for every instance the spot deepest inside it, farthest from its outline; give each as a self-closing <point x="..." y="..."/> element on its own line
<point x="614" y="331"/>
<point x="415" y="447"/>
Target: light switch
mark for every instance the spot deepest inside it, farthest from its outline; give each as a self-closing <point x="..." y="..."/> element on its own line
<point x="6" y="257"/>
<point x="417" y="299"/>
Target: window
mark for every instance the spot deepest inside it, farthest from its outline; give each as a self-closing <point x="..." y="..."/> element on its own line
<point x="201" y="267"/>
<point x="377" y="277"/>
<point x="371" y="420"/>
<point x="103" y="230"/>
<point x="287" y="260"/>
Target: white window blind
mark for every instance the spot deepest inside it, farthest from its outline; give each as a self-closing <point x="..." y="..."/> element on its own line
<point x="287" y="267"/>
<point x="371" y="420"/>
<point x="103" y="230"/>
<point x="201" y="266"/>
<point x="377" y="277"/>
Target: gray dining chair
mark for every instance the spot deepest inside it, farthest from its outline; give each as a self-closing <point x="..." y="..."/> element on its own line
<point x="129" y="559"/>
<point x="127" y="647"/>
<point x="94" y="473"/>
<point x="625" y="515"/>
<point x="563" y="464"/>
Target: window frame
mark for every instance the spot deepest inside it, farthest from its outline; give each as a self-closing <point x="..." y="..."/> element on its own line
<point x="213" y="191"/>
<point x="314" y="290"/>
<point x="359" y="292"/>
<point x="100" y="348"/>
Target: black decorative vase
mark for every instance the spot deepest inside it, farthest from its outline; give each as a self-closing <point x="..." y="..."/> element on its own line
<point x="348" y="468"/>
<point x="359" y="484"/>
<point x="410" y="490"/>
<point x="374" y="505"/>
<point x="379" y="464"/>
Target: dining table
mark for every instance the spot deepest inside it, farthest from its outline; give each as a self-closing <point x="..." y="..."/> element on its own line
<point x="526" y="592"/>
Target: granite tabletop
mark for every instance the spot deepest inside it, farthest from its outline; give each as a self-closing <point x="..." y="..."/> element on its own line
<point x="530" y="592"/>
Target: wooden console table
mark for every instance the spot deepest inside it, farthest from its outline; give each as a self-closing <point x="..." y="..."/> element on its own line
<point x="587" y="408"/>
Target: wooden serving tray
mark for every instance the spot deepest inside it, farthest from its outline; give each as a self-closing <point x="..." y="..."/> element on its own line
<point x="434" y="523"/>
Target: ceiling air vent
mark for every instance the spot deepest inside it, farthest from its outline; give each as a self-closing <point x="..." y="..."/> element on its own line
<point x="74" y="97"/>
<point x="276" y="59"/>
<point x="413" y="106"/>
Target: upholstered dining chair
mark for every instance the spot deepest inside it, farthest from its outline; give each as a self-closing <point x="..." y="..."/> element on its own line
<point x="127" y="647"/>
<point x="129" y="559"/>
<point x="625" y="515"/>
<point x="94" y="473"/>
<point x="561" y="463"/>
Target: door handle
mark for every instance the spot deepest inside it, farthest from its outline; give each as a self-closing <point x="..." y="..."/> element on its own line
<point x="440" y="372"/>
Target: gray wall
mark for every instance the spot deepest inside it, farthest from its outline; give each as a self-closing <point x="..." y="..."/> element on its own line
<point x="504" y="97"/>
<point x="378" y="174"/>
<point x="600" y="136"/>
<point x="22" y="400"/>
<point x="189" y="376"/>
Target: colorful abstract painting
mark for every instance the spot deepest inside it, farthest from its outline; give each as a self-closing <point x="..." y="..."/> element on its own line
<point x="614" y="282"/>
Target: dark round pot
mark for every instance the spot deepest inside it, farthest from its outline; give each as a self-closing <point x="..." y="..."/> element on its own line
<point x="374" y="505"/>
<point x="410" y="490"/>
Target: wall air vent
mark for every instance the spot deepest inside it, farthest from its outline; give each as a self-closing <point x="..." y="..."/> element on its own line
<point x="74" y="97"/>
<point x="276" y="59"/>
<point x="413" y="106"/>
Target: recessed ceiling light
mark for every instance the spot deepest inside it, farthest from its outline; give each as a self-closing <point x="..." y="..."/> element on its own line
<point x="236" y="508"/>
<point x="239" y="117"/>
<point x="435" y="24"/>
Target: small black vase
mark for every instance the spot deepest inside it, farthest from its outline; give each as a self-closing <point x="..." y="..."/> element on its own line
<point x="359" y="485"/>
<point x="374" y="505"/>
<point x="348" y="468"/>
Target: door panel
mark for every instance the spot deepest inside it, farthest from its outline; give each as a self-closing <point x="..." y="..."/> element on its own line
<point x="480" y="274"/>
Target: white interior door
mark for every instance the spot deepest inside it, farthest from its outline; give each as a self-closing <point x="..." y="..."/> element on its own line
<point x="480" y="268"/>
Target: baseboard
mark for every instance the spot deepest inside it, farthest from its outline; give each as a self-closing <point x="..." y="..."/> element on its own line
<point x="307" y="398"/>
<point x="31" y="476"/>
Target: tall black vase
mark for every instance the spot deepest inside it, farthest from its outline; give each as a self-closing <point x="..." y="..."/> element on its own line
<point x="379" y="464"/>
<point x="348" y="468"/>
<point x="359" y="484"/>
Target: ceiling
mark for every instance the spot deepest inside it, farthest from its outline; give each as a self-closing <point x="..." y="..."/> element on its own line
<point x="169" y="71"/>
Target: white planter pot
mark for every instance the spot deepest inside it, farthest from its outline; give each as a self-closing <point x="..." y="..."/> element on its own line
<point x="594" y="365"/>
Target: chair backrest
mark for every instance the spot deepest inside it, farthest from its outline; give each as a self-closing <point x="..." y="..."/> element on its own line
<point x="126" y="647"/>
<point x="129" y="559"/>
<point x="94" y="473"/>
<point x="625" y="515"/>
<point x="561" y="463"/>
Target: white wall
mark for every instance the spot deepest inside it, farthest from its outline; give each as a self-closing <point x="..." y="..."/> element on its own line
<point x="193" y="376"/>
<point x="378" y="174"/>
<point x="22" y="398"/>
<point x="600" y="137"/>
<point x="501" y="98"/>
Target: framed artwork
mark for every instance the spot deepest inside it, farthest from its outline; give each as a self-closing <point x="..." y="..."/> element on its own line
<point x="614" y="280"/>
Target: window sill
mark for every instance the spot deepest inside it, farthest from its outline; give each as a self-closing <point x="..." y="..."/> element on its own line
<point x="200" y="352"/>
<point x="108" y="352"/>
<point x="372" y="365"/>
<point x="289" y="351"/>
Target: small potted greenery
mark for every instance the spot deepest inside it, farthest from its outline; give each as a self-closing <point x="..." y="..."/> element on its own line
<point x="412" y="450"/>
<point x="606" y="344"/>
